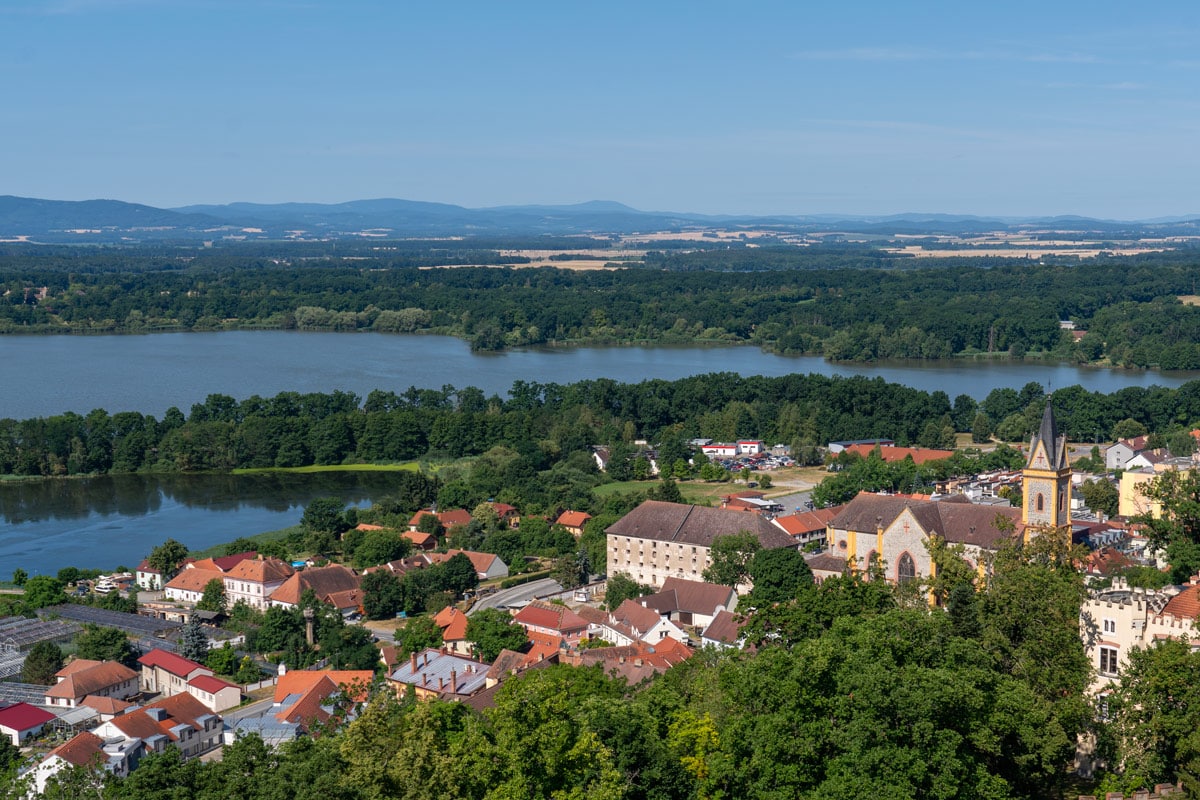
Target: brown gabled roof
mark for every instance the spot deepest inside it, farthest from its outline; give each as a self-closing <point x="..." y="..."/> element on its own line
<point x="78" y="665"/>
<point x="955" y="522"/>
<point x="137" y="724"/>
<point x="194" y="579"/>
<point x="81" y="750"/>
<point x="638" y="661"/>
<point x="507" y="662"/>
<point x="421" y="541"/>
<point x="697" y="597"/>
<point x="79" y="683"/>
<point x="1108" y="560"/>
<point x="324" y="581"/>
<point x="181" y="708"/>
<point x="825" y="562"/>
<point x="698" y="525"/>
<point x="104" y="705"/>
<point x="481" y="561"/>
<point x="725" y="628"/>
<point x="455" y="516"/>
<point x="637" y="616"/>
<point x="261" y="570"/>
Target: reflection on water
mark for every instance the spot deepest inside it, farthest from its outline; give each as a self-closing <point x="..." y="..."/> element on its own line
<point x="111" y="520"/>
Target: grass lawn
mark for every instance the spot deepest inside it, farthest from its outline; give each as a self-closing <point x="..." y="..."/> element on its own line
<point x="410" y="466"/>
<point x="268" y="536"/>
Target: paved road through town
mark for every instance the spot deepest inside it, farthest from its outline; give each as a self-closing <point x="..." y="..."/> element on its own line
<point x="517" y="595"/>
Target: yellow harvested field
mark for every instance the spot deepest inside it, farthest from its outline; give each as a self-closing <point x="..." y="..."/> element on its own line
<point x="1038" y="251"/>
<point x="1190" y="299"/>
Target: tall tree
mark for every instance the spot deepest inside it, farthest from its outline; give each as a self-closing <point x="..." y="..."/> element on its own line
<point x="167" y="557"/>
<point x="492" y="630"/>
<point x="731" y="556"/>
<point x="105" y="644"/>
<point x="193" y="642"/>
<point x="41" y="662"/>
<point x="213" y="598"/>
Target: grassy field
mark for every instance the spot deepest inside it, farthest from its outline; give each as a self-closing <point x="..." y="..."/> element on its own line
<point x="268" y="536"/>
<point x="409" y="466"/>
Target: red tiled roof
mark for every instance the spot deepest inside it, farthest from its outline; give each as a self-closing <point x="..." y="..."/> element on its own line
<point x="181" y="708"/>
<point x="95" y="676"/>
<point x="504" y="509"/>
<point x="81" y="750"/>
<point x="453" y="624"/>
<point x="1186" y="604"/>
<point x="455" y="516"/>
<point x="481" y="561"/>
<point x="226" y="563"/>
<point x="22" y="716"/>
<point x="261" y="570"/>
<point x="807" y="521"/>
<point x="573" y="519"/>
<point x="420" y="540"/>
<point x="550" y="616"/>
<point x="211" y="684"/>
<point x="194" y="579"/>
<point x="137" y="724"/>
<point x="172" y="663"/>
<point x="299" y="681"/>
<point x="104" y="705"/>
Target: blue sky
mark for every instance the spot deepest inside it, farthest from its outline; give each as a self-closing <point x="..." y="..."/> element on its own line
<point x="852" y="107"/>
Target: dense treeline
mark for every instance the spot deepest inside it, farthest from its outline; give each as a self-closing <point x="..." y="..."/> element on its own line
<point x="551" y="426"/>
<point x="838" y="303"/>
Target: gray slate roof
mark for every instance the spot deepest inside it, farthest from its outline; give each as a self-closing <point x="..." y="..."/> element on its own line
<point x="698" y="525"/>
<point x="959" y="522"/>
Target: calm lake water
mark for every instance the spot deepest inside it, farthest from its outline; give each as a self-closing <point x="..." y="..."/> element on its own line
<point x="104" y="522"/>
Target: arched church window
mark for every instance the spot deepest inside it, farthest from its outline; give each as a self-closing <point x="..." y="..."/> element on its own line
<point x="1041" y="502"/>
<point x="906" y="569"/>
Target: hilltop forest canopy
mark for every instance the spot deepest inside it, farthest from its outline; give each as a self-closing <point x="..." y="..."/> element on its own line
<point x="848" y="303"/>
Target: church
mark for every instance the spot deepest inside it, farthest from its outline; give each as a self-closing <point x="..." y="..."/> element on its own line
<point x="895" y="528"/>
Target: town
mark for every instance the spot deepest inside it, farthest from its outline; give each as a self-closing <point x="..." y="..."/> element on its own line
<point x="193" y="655"/>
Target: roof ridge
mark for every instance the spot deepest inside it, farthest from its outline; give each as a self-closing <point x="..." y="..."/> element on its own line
<point x="683" y="522"/>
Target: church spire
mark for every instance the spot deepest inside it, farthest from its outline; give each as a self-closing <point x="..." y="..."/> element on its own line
<point x="1048" y="433"/>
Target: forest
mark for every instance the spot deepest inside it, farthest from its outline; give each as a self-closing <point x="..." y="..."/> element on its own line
<point x="548" y="427"/>
<point x="853" y="304"/>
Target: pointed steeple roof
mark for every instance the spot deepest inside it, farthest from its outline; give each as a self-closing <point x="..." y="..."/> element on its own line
<point x="1054" y="445"/>
<point x="1048" y="433"/>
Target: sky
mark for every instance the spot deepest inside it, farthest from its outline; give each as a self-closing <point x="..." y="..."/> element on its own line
<point x="1014" y="108"/>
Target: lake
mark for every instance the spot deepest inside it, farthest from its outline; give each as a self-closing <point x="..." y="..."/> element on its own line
<point x="108" y="521"/>
<point x="104" y="522"/>
<point x="51" y="374"/>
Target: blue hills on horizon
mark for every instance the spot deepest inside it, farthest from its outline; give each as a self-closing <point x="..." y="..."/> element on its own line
<point x="116" y="220"/>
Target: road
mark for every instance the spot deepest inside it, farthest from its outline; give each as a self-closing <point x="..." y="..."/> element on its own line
<point x="517" y="595"/>
<point x="256" y="709"/>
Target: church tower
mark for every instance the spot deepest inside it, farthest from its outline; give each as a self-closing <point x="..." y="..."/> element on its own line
<point x="1046" y="479"/>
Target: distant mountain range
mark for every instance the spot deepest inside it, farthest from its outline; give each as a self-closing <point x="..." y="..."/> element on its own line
<point x="114" y="221"/>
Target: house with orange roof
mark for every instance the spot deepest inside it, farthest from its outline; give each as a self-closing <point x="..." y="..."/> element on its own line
<point x="508" y="515"/>
<point x="168" y="674"/>
<point x="454" y="630"/>
<point x="83" y="677"/>
<point x="180" y="721"/>
<point x="254" y="580"/>
<point x="106" y="707"/>
<point x="188" y="585"/>
<point x="553" y="619"/>
<point x="573" y="521"/>
<point x="807" y="526"/>
<point x="487" y="565"/>
<point x="454" y="517"/>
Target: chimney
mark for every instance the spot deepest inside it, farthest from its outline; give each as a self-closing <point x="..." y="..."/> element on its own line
<point x="413" y="662"/>
<point x="424" y="678"/>
<point x="453" y="682"/>
<point x="441" y="683"/>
